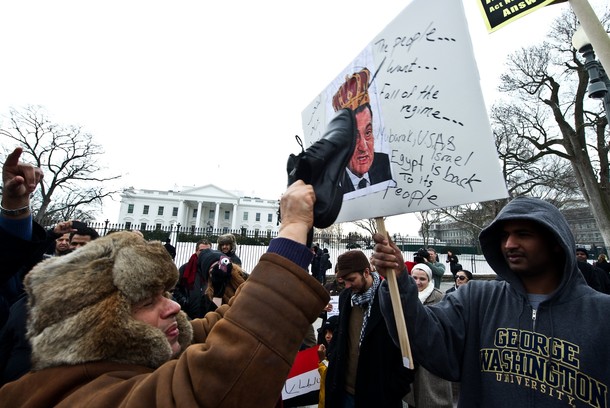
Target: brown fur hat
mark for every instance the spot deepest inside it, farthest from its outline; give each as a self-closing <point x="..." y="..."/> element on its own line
<point x="227" y="239"/>
<point x="80" y="304"/>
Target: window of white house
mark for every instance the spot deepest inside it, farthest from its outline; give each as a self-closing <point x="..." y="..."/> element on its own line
<point x="160" y="212"/>
<point x="145" y="211"/>
<point x="130" y="209"/>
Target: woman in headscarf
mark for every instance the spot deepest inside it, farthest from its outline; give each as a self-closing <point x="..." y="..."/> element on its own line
<point x="428" y="390"/>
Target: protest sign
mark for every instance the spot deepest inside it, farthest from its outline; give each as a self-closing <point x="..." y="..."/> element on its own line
<point x="303" y="377"/>
<point x="423" y="135"/>
<point x="498" y="13"/>
<point x="432" y="144"/>
<point x="334" y="301"/>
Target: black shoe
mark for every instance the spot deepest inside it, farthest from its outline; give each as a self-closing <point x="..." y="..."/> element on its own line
<point x="323" y="165"/>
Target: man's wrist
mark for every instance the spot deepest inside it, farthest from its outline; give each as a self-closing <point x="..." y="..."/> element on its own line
<point x="294" y="231"/>
<point x="292" y="250"/>
<point x="13" y="211"/>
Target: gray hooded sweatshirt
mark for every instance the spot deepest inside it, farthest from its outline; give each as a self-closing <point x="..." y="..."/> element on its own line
<point x="506" y="354"/>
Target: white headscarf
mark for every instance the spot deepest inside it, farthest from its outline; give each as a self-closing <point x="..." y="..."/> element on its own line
<point x="423" y="295"/>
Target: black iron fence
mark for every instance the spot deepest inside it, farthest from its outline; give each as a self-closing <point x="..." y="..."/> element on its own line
<point x="251" y="244"/>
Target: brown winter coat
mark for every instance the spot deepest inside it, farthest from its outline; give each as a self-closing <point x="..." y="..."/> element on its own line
<point x="244" y="361"/>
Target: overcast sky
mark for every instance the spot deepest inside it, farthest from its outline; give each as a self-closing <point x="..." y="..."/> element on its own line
<point x="190" y="93"/>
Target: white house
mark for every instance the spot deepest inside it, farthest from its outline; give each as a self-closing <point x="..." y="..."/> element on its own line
<point x="200" y="207"/>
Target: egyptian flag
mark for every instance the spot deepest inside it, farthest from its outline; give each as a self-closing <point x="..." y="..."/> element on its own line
<point x="303" y="384"/>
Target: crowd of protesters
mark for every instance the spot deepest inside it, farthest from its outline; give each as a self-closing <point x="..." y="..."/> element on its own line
<point x="99" y="321"/>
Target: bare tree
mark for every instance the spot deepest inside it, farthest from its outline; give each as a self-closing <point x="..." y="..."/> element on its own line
<point x="528" y="132"/>
<point x="551" y="121"/>
<point x="546" y="176"/>
<point x="427" y="219"/>
<point x="369" y="225"/>
<point x="329" y="236"/>
<point x="73" y="184"/>
<point x="471" y="218"/>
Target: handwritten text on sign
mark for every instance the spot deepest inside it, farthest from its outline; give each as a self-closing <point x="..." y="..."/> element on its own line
<point x="429" y="120"/>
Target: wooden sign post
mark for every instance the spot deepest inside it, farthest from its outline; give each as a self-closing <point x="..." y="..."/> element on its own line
<point x="401" y="326"/>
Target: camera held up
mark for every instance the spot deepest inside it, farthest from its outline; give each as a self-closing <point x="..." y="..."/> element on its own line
<point x="421" y="256"/>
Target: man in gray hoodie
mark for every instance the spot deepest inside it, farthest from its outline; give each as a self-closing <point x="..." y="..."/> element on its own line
<point x="538" y="337"/>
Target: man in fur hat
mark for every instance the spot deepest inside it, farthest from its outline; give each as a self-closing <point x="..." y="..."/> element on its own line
<point x="105" y="332"/>
<point x="227" y="245"/>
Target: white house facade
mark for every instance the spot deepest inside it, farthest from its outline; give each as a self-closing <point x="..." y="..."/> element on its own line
<point x="197" y="207"/>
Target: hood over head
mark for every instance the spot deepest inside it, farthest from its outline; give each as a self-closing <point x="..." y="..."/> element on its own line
<point x="80" y="304"/>
<point x="332" y="323"/>
<point x="546" y="216"/>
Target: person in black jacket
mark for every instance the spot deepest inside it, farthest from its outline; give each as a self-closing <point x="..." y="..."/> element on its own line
<point x="454" y="263"/>
<point x="15" y="349"/>
<point x="602" y="263"/>
<point x="595" y="277"/>
<point x="325" y="265"/>
<point x="23" y="241"/>
<point x="365" y="366"/>
<point x="315" y="263"/>
<point x="170" y="248"/>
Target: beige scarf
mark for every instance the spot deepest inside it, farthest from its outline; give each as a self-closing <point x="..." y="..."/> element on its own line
<point x="423" y="295"/>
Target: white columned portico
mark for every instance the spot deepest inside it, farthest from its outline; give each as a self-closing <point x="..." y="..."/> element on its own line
<point x="234" y="220"/>
<point x="198" y="222"/>
<point x="216" y="211"/>
<point x="181" y="210"/>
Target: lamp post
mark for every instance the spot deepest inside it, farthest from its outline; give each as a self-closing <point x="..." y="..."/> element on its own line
<point x="599" y="84"/>
<point x="594" y="29"/>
